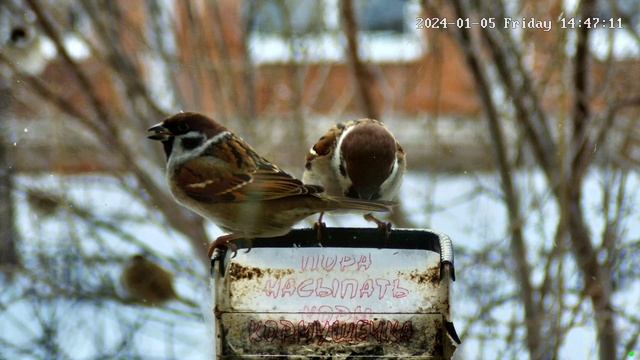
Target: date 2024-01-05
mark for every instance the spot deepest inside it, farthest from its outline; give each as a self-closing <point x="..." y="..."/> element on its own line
<point x="519" y="23"/>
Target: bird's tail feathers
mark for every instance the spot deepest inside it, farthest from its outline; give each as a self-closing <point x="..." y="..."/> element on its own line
<point x="345" y="203"/>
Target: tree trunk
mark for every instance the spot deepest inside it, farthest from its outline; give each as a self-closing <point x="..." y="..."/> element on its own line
<point x="9" y="259"/>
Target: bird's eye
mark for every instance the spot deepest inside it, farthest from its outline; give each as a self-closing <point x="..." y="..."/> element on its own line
<point x="182" y="127"/>
<point x="343" y="171"/>
<point x="191" y="143"/>
<point x="18" y="34"/>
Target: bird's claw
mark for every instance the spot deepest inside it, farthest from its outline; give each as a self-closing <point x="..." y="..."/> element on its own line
<point x="234" y="249"/>
<point x="223" y="243"/>
<point x="321" y="228"/>
<point x="385" y="227"/>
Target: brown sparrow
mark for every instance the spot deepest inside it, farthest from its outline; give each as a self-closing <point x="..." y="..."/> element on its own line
<point x="43" y="203"/>
<point x="147" y="282"/>
<point x="215" y="173"/>
<point x="359" y="159"/>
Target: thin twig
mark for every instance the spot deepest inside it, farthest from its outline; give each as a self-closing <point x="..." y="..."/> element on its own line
<point x="523" y="273"/>
<point x="363" y="77"/>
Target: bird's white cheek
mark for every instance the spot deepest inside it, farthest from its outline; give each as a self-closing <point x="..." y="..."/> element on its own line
<point x="344" y="180"/>
<point x="341" y="181"/>
<point x="310" y="177"/>
<point x="390" y="187"/>
<point x="180" y="155"/>
<point x="345" y="183"/>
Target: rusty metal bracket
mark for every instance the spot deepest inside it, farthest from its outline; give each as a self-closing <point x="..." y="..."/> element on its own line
<point x="452" y="332"/>
<point x="218" y="256"/>
<point x="446" y="256"/>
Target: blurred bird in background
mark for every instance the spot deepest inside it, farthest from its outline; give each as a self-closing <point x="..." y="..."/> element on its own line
<point x="219" y="176"/>
<point x="22" y="46"/>
<point x="359" y="159"/>
<point x="147" y="282"/>
<point x="43" y="203"/>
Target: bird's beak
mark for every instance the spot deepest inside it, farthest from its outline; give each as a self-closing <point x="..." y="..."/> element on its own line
<point x="367" y="194"/>
<point x="159" y="132"/>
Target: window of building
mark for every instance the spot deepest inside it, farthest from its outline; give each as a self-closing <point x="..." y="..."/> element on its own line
<point x="309" y="30"/>
<point x="283" y="17"/>
<point x="386" y="16"/>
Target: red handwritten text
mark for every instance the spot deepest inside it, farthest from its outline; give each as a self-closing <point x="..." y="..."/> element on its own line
<point x="326" y="313"/>
<point x="335" y="288"/>
<point x="286" y="332"/>
<point x="329" y="262"/>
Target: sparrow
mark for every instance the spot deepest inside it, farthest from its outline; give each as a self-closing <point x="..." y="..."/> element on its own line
<point x="218" y="175"/>
<point x="23" y="47"/>
<point x="43" y="203"/>
<point x="359" y="159"/>
<point x="147" y="282"/>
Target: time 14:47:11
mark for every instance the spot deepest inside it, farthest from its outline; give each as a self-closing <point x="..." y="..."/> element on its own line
<point x="591" y="23"/>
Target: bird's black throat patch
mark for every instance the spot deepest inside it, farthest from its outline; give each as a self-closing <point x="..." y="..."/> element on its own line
<point x="190" y="143"/>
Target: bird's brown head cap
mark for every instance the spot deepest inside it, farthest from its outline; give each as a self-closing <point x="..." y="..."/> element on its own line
<point x="182" y="123"/>
<point x="368" y="154"/>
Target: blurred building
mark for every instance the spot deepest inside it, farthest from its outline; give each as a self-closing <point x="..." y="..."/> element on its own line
<point x="268" y="66"/>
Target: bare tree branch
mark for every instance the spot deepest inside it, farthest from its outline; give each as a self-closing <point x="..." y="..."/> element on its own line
<point x="106" y="131"/>
<point x="523" y="273"/>
<point x="596" y="284"/>
<point x="518" y="84"/>
<point x="363" y="76"/>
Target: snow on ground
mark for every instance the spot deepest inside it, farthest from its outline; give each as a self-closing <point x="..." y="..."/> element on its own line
<point x="467" y="207"/>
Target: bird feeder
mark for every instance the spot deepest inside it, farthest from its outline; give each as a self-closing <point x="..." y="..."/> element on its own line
<point x="357" y="293"/>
